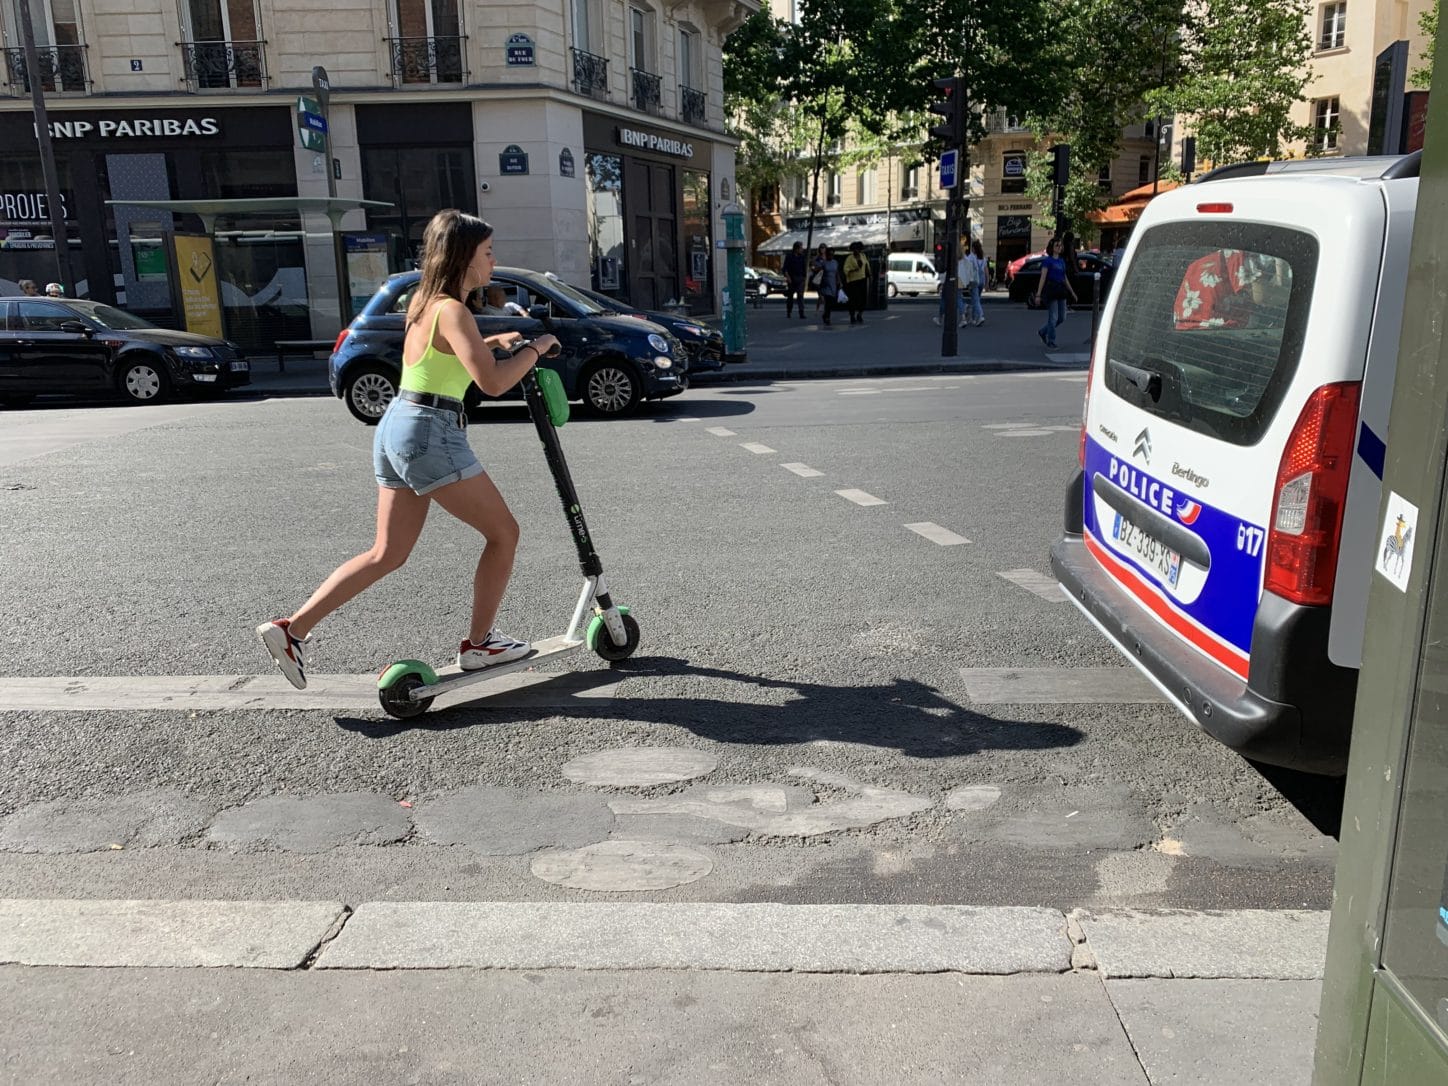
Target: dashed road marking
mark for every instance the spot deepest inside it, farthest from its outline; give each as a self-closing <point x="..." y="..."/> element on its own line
<point x="1036" y="583"/>
<point x="859" y="392"/>
<point x="859" y="497"/>
<point x="755" y="447"/>
<point x="936" y="534"/>
<point x="804" y="471"/>
<point x="720" y="431"/>
<point x="687" y="418"/>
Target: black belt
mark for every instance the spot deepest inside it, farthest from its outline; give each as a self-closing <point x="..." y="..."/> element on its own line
<point x="442" y="403"/>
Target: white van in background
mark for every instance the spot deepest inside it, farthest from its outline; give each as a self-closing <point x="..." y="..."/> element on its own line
<point x="1223" y="530"/>
<point x="912" y="274"/>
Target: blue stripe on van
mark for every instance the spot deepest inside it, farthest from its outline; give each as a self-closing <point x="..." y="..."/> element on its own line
<point x="1372" y="449"/>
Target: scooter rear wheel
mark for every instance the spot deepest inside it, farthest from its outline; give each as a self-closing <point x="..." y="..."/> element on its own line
<point x="396" y="700"/>
<point x="600" y="641"/>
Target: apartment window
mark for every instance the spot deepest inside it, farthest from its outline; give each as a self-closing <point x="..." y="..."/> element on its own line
<point x="688" y="62"/>
<point x="768" y="201"/>
<point x="638" y="39"/>
<point x="60" y="54"/>
<point x="581" y="36"/>
<point x="1103" y="179"/>
<point x="225" y="49"/>
<point x="910" y="182"/>
<point x="865" y="183"/>
<point x="1143" y="170"/>
<point x="1334" y="27"/>
<point x="1325" y="122"/>
<point x="836" y="188"/>
<point x="427" y="46"/>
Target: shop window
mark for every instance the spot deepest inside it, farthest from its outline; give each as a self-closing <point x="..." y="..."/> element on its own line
<point x="257" y="174"/>
<point x="1333" y="27"/>
<point x="1325" y="122"/>
<point x="418" y="182"/>
<point x="697" y="244"/>
<point x="605" y="223"/>
<point x="427" y="42"/>
<point x="225" y="47"/>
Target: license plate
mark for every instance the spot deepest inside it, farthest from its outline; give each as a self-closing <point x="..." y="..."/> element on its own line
<point x="1154" y="555"/>
<point x="238" y="365"/>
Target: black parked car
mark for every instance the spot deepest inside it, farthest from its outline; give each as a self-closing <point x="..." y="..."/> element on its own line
<point x="61" y="346"/>
<point x="610" y="362"/>
<point x="1023" y="286"/>
<point x="704" y="345"/>
<point x="763" y="282"/>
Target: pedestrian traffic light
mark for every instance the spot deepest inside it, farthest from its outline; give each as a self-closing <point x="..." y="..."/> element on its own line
<point x="1060" y="165"/>
<point x="951" y="106"/>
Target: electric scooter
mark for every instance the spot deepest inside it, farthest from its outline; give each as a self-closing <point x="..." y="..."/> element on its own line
<point x="407" y="688"/>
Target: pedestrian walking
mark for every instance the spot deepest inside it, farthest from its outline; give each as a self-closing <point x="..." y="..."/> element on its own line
<point x="796" y="267"/>
<point x="829" y="282"/>
<point x="1052" y="289"/>
<point x="979" y="280"/>
<point x="420" y="451"/>
<point x="962" y="277"/>
<point x="816" y="276"/>
<point x="29" y="289"/>
<point x="54" y="290"/>
<point x="856" y="270"/>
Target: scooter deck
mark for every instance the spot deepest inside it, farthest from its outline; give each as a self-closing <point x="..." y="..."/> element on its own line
<point x="454" y="678"/>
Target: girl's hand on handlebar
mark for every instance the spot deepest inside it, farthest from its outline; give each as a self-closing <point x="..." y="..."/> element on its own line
<point x="546" y="345"/>
<point x="505" y="341"/>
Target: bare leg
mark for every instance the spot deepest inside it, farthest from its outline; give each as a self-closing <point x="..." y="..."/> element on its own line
<point x="477" y="503"/>
<point x="400" y="516"/>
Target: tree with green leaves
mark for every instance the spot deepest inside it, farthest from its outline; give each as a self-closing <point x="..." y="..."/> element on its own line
<point x="1422" y="78"/>
<point x="1243" y="69"/>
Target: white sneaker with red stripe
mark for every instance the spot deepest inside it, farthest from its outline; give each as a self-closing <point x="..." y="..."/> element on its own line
<point x="292" y="654"/>
<point x="496" y="648"/>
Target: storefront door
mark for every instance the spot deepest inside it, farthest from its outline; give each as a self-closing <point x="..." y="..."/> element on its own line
<point x="653" y="233"/>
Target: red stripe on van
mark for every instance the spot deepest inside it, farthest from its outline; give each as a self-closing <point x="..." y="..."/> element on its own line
<point x="1230" y="658"/>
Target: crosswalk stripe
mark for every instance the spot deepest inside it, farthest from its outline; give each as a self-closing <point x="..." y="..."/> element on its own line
<point x="1036" y="583"/>
<point x="755" y="447"/>
<point x="720" y="431"/>
<point x="804" y="471"/>
<point x="859" y="497"/>
<point x="936" y="534"/>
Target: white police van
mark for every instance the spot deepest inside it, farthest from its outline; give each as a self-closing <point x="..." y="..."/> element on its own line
<point x="1221" y="532"/>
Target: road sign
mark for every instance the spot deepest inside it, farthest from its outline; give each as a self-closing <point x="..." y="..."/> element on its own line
<point x="947" y="169"/>
<point x="312" y="121"/>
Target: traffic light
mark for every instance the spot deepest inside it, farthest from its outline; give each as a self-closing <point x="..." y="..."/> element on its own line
<point x="952" y="107"/>
<point x="1060" y="165"/>
<point x="1189" y="155"/>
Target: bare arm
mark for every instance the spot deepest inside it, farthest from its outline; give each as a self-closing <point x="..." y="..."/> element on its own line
<point x="494" y="376"/>
<point x="1041" y="282"/>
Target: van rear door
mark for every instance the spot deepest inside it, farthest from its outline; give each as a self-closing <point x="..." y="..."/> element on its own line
<point x="1216" y="343"/>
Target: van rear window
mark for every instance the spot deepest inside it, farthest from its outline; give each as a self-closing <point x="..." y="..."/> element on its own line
<point x="1208" y="324"/>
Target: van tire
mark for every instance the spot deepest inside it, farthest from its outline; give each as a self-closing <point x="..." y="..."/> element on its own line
<point x="892" y="290"/>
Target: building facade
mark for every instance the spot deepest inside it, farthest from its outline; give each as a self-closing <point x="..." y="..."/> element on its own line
<point x="589" y="132"/>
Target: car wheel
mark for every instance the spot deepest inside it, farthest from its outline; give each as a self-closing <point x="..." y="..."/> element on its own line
<point x="892" y="290"/>
<point x="368" y="391"/>
<point x="610" y="389"/>
<point x="143" y="380"/>
<point x="17" y="400"/>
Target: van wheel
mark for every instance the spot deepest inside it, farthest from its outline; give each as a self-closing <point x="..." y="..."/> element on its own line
<point x="368" y="391"/>
<point x="610" y="389"/>
<point x="892" y="290"/>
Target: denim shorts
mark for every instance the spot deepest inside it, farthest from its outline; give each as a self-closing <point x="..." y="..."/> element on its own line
<point x="421" y="448"/>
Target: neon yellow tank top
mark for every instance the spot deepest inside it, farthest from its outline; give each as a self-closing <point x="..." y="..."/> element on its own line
<point x="436" y="371"/>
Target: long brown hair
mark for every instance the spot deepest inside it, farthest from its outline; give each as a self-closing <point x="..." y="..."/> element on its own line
<point x="448" y="244"/>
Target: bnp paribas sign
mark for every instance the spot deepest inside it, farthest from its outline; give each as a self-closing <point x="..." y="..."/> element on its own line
<point x="122" y="127"/>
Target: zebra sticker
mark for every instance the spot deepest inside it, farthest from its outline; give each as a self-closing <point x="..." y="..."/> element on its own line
<point x="1395" y="554"/>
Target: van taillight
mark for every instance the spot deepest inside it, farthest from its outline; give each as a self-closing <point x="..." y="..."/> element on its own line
<point x="1085" y="409"/>
<point x="342" y="335"/>
<point x="1311" y="492"/>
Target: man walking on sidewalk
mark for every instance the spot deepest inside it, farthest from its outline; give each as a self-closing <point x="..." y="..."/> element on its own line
<point x="795" y="269"/>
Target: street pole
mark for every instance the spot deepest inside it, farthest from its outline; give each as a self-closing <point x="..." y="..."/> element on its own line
<point x="47" y="151"/>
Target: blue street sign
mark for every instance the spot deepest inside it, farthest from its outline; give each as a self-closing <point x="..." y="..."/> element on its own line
<point x="947" y="169"/>
<point x="312" y="121"/>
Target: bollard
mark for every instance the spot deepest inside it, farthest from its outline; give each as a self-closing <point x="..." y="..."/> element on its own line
<point x="1095" y="306"/>
<point x="736" y="330"/>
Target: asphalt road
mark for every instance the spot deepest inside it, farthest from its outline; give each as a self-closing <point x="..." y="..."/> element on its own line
<point x="797" y="709"/>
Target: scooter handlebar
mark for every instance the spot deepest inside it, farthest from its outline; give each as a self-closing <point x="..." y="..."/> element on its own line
<point x="553" y="352"/>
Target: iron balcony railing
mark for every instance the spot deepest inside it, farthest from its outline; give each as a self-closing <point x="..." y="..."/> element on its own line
<point x="692" y="104"/>
<point x="62" y="69"/>
<point x="647" y="90"/>
<point x="428" y="60"/>
<point x="217" y="65"/>
<point x="590" y="74"/>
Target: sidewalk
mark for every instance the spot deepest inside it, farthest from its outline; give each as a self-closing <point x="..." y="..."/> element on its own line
<point x="162" y="992"/>
<point x="899" y="340"/>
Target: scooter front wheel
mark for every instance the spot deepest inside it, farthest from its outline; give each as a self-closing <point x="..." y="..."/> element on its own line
<point x="397" y="700"/>
<point x="600" y="641"/>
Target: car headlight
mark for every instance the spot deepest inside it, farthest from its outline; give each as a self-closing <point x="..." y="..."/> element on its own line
<point x="193" y="352"/>
<point x="658" y="343"/>
<point x="663" y="362"/>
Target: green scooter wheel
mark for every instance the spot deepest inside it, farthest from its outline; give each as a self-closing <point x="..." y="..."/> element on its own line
<point x="600" y="641"/>
<point x="397" y="700"/>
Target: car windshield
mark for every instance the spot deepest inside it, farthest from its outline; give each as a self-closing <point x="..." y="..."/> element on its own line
<point x="582" y="301"/>
<point x="108" y="316"/>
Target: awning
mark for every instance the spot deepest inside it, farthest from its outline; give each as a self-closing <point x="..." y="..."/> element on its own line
<point x="1129" y="208"/>
<point x="839" y="235"/>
